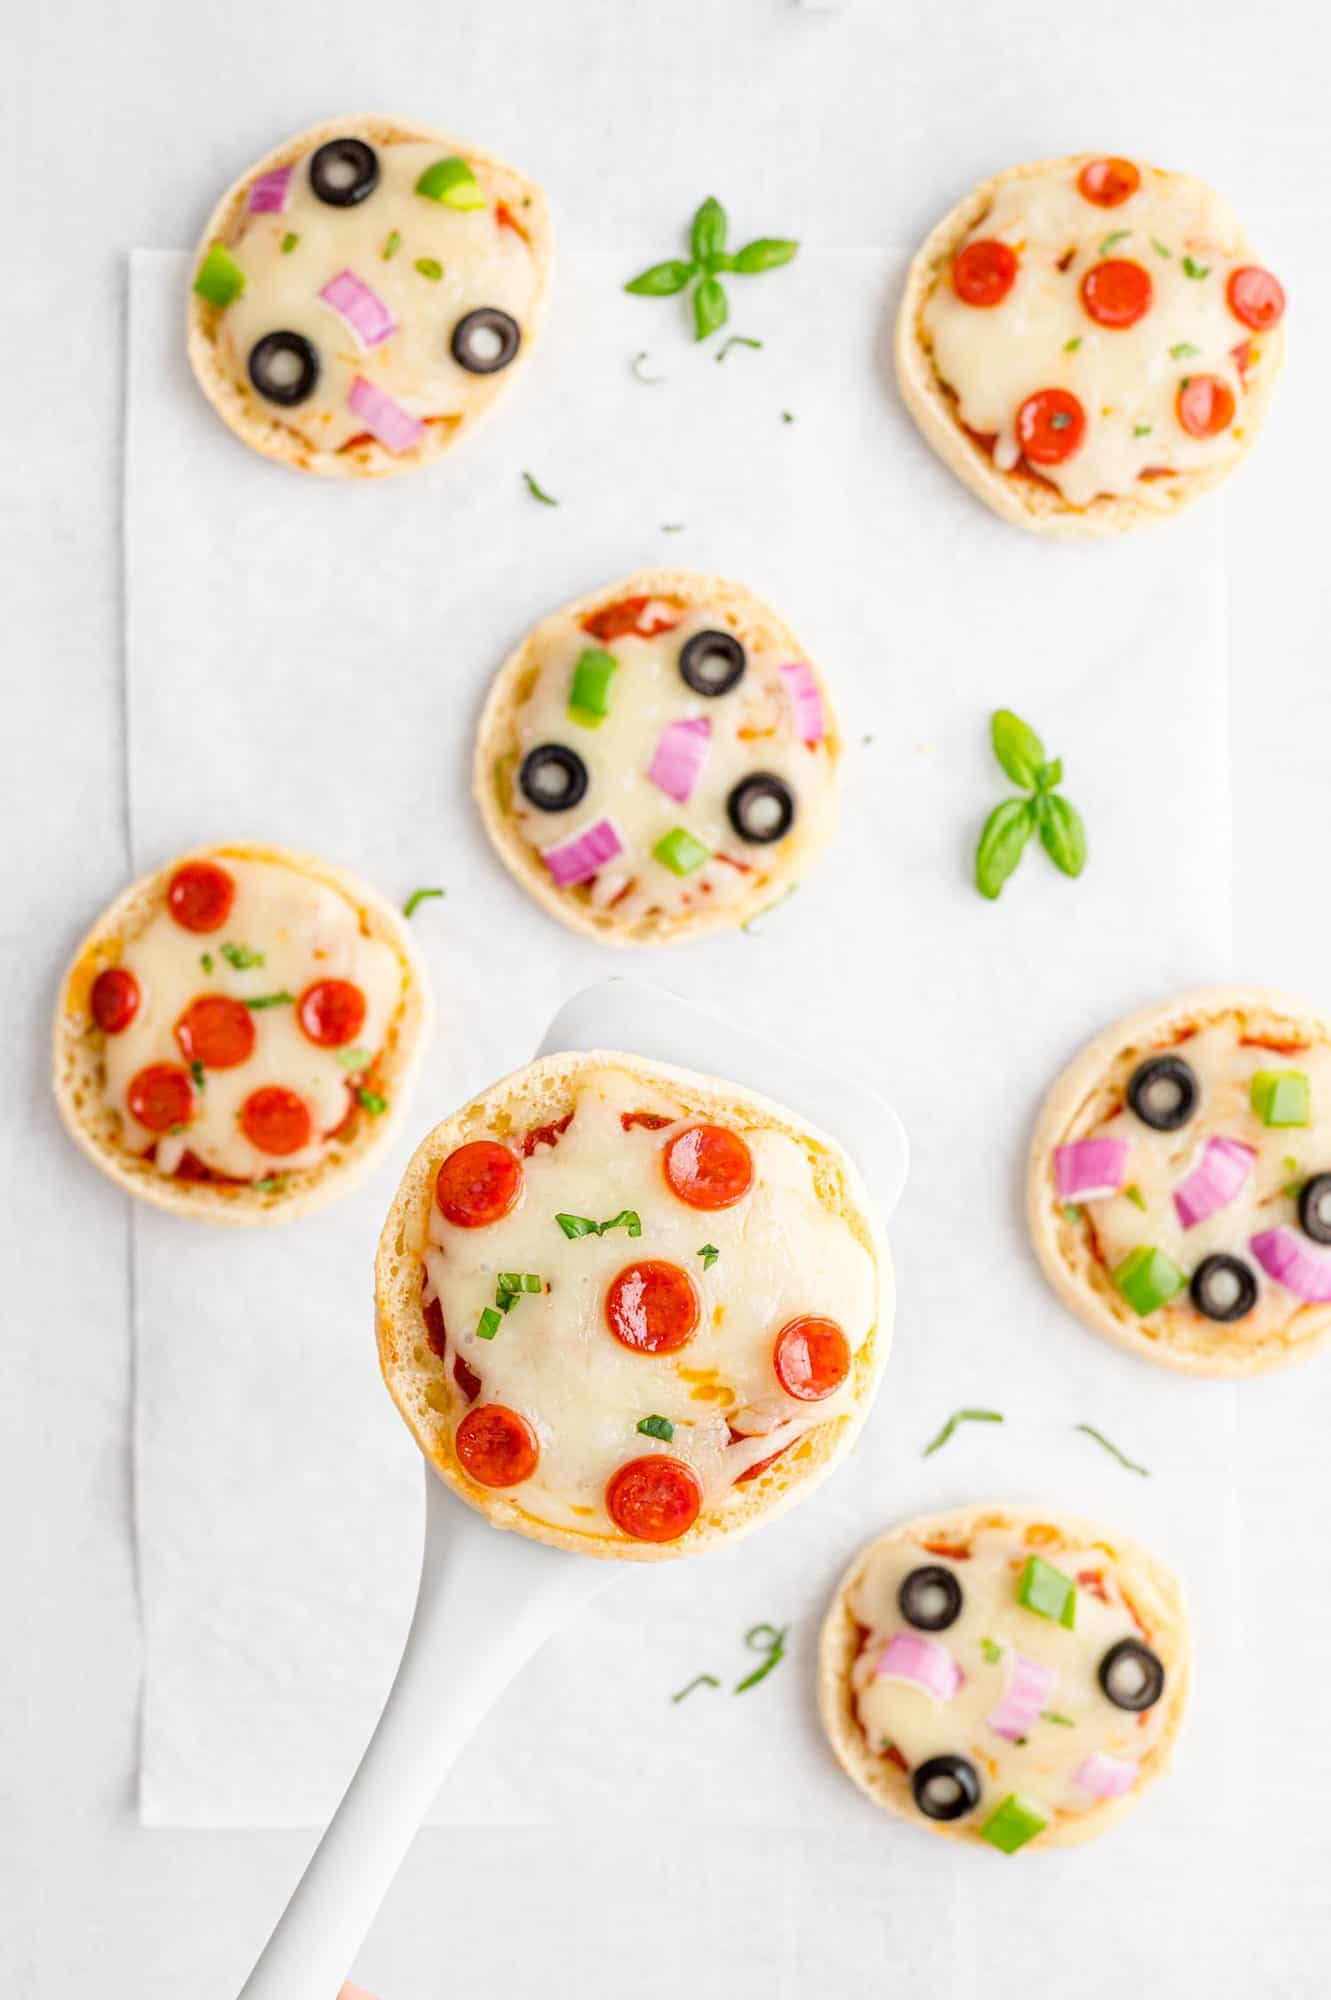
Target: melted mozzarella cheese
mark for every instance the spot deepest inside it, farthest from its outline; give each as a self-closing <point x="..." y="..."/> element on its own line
<point x="897" y="1714"/>
<point x="1127" y="379"/>
<point x="752" y="729"/>
<point x="484" y="264"/>
<point x="305" y="931"/>
<point x="554" y="1359"/>
<point x="1158" y="1161"/>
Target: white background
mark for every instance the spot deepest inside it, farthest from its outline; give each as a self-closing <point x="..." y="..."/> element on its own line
<point x="848" y="129"/>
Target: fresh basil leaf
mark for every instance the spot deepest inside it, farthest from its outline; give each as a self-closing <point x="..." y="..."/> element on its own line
<point x="661" y="280"/>
<point x="707" y="238"/>
<point x="711" y="308"/>
<point x="1062" y="833"/>
<point x="1049" y="775"/>
<point x="1017" y="747"/>
<point x="764" y="254"/>
<point x="1002" y="844"/>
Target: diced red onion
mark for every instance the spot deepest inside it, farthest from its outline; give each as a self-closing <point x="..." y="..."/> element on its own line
<point x="382" y="417"/>
<point x="1285" y="1257"/>
<point x="1104" y="1776"/>
<point x="1214" y="1181"/>
<point x="359" y="308"/>
<point x="1029" y="1687"/>
<point x="577" y="860"/>
<point x="805" y="699"/>
<point x="269" y="194"/>
<point x="1090" y="1167"/>
<point x="678" y="757"/>
<point x="922" y="1662"/>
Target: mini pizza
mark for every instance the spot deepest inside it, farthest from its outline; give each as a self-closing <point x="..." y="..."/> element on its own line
<point x="1179" y="1190"/>
<point x="1089" y="343"/>
<point x="237" y="1034"/>
<point x="658" y="760"/>
<point x="1001" y="1677"/>
<point x="364" y="295"/>
<point x="628" y="1310"/>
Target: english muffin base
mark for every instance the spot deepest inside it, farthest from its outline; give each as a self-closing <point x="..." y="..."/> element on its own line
<point x="1078" y="1277"/>
<point x="77" y="1065"/>
<point x="1024" y="501"/>
<point x="541" y="1094"/>
<point x="245" y="413"/>
<point x="496" y="746"/>
<point x="884" y="1782"/>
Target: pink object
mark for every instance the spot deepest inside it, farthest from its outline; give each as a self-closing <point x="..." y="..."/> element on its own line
<point x="269" y="194"/>
<point x="807" y="702"/>
<point x="1285" y="1257"/>
<point x="354" y="1993"/>
<point x="1105" y="1776"/>
<point x="678" y="757"/>
<point x="580" y="858"/>
<point x="1029" y="1688"/>
<point x="922" y="1662"/>
<point x="1214" y="1181"/>
<point x="382" y="417"/>
<point x="1090" y="1167"/>
<point x="359" y="308"/>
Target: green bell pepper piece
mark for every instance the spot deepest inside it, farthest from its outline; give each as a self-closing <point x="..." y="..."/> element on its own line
<point x="680" y="852"/>
<point x="452" y="182"/>
<point x="1045" y="1589"/>
<point x="589" y="699"/>
<point x="1012" y="1823"/>
<point x="1281" y="1097"/>
<point x="1148" y="1279"/>
<point x="219" y="278"/>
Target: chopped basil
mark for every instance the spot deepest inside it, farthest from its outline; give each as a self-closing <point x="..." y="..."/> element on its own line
<point x="657" y="1427"/>
<point x="992" y="1651"/>
<point x="1182" y="349"/>
<point x="1059" y="421"/>
<point x="1073" y="1212"/>
<point x="1140" y="430"/>
<point x="735" y="340"/>
<point x="787" y="416"/>
<point x="175" y="1131"/>
<point x="1134" y="1194"/>
<point x="582" y="1225"/>
<point x="240" y="956"/>
<point x="539" y="493"/>
<point x="1090" y="1431"/>
<point x="709" y="1254"/>
<point x="699" y="1680"/>
<point x="354" y="1059"/>
<point x="763" y="1639"/>
<point x="1071" y="346"/>
<point x="519" y="1281"/>
<point x="1196" y="270"/>
<point x="431" y="268"/>
<point x="197" y="1076"/>
<point x="489" y="1323"/>
<point x="289" y="242"/>
<point x="1160" y="249"/>
<point x="636" y="366"/>
<point x="1052" y="1715"/>
<point x="417" y="897"/>
<point x="393" y="245"/>
<point x="262" y="1000"/>
<point x="954" y="1422"/>
<point x="371" y="1101"/>
<point x="1114" y="236"/>
<point x="270" y="1184"/>
<point x="673" y="527"/>
<point x="206" y="961"/>
<point x="628" y="1218"/>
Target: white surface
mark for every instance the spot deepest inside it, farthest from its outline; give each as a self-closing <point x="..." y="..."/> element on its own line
<point x="269" y="1644"/>
<point x="858" y="127"/>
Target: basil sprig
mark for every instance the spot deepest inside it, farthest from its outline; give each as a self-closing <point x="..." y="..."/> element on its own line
<point x="1011" y="824"/>
<point x="708" y="234"/>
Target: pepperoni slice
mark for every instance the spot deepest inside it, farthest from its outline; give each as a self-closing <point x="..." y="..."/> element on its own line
<point x="811" y="1358"/>
<point x="708" y="1166"/>
<point x="161" y="1096"/>
<point x="115" y="999"/>
<point x="275" y="1120"/>
<point x="477" y="1184"/>
<point x="984" y="272"/>
<point x="1108" y="182"/>
<point x="652" y="1307"/>
<point x="216" y="1031"/>
<point x="1117" y="293"/>
<point x="545" y="1135"/>
<point x="331" y="1013"/>
<point x="1205" y="406"/>
<point x="1050" y="426"/>
<point x="1256" y="297"/>
<point x="650" y="1121"/>
<point x="496" y="1446"/>
<point x="200" y="896"/>
<point x="654" y="1499"/>
<point x="616" y="621"/>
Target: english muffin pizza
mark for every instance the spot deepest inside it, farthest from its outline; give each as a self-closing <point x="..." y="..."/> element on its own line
<point x="1089" y="343"/>
<point x="236" y="1036"/>
<point x="629" y="1310"/>
<point x="365" y="293"/>
<point x="1005" y="1677"/>
<point x="658" y="759"/>
<point x="1179" y="1189"/>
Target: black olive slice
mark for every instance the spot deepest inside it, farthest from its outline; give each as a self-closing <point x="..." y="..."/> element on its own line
<point x="284" y="367"/>
<point x="930" y="1598"/>
<point x="1163" y="1093"/>
<point x="946" y="1787"/>
<point x="553" y="777"/>
<point x="1224" y="1288"/>
<point x="1315" y="1208"/>
<point x="761" y="808"/>
<point x="712" y="663"/>
<point x="1132" y="1675"/>
<point x="486" y="341"/>
<point x="343" y="172"/>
